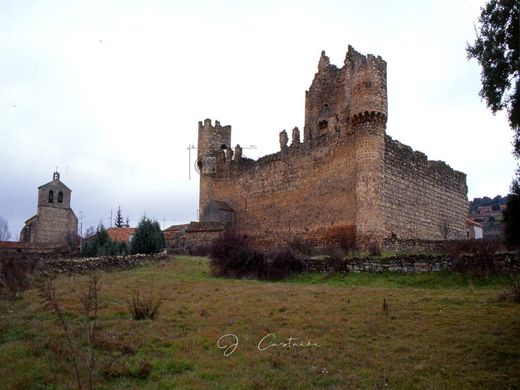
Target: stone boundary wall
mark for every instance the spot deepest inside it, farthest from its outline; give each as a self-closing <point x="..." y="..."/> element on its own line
<point x="16" y="247"/>
<point x="105" y="263"/>
<point x="505" y="262"/>
<point x="414" y="245"/>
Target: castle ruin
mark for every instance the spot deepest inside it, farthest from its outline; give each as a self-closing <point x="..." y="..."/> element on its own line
<point x="347" y="175"/>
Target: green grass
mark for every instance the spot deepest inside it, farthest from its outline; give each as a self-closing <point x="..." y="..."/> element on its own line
<point x="434" y="280"/>
<point x="440" y="331"/>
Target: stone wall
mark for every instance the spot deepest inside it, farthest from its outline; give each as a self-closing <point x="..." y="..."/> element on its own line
<point x="304" y="192"/>
<point x="9" y="248"/>
<point x="55" y="224"/>
<point x="422" y="199"/>
<point x="415" y="245"/>
<point x="506" y="263"/>
<point x="105" y="263"/>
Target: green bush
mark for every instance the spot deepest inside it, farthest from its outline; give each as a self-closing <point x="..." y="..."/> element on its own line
<point x="100" y="244"/>
<point x="148" y="237"/>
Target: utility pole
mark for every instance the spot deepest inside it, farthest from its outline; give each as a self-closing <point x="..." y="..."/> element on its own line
<point x="80" y="230"/>
<point x="190" y="148"/>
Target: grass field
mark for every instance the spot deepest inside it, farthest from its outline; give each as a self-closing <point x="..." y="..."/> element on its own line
<point x="439" y="331"/>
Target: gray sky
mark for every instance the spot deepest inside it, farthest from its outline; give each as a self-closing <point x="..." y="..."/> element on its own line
<point x="110" y="92"/>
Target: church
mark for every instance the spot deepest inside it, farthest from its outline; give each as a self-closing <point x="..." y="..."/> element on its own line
<point x="54" y="223"/>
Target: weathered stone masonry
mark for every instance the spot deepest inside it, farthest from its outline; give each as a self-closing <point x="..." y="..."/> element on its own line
<point x="347" y="174"/>
<point x="55" y="222"/>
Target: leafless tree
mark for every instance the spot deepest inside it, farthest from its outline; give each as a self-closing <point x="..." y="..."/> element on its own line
<point x="91" y="230"/>
<point x="5" y="235"/>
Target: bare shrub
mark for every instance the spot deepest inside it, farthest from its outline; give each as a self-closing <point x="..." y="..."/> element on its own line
<point x="234" y="256"/>
<point x="335" y="259"/>
<point x="144" y="308"/>
<point x="473" y="257"/>
<point x="47" y="293"/>
<point x="282" y="264"/>
<point x="302" y="246"/>
<point x="85" y="342"/>
<point x="15" y="275"/>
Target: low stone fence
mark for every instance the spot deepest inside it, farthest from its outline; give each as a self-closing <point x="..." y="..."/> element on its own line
<point x="105" y="263"/>
<point x="503" y="262"/>
<point x="8" y="248"/>
<point x="414" y="246"/>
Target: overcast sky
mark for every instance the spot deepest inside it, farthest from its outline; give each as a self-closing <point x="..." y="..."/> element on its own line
<point x="111" y="92"/>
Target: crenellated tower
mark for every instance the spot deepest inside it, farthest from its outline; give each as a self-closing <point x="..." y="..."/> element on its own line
<point x="214" y="145"/>
<point x="337" y="94"/>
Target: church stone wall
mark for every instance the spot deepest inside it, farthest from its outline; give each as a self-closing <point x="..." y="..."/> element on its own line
<point x="55" y="224"/>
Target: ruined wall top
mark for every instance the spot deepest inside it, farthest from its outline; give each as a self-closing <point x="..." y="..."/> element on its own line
<point x="339" y="96"/>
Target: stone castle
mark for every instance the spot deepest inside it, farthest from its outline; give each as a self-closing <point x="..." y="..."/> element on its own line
<point x="54" y="223"/>
<point x="347" y="175"/>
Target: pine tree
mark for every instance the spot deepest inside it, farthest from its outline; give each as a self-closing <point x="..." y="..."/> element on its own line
<point x="118" y="221"/>
<point x="148" y="237"/>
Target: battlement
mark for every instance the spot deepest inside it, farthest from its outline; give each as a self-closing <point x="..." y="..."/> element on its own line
<point x="340" y="98"/>
<point x="206" y="125"/>
<point x="213" y="139"/>
<point x="354" y="59"/>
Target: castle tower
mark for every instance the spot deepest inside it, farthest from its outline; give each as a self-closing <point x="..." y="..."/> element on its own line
<point x="324" y="101"/>
<point x="213" y="145"/>
<point x="368" y="116"/>
<point x="55" y="222"/>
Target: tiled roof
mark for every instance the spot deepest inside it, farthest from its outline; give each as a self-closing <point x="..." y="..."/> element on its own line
<point x="121" y="234"/>
<point x="169" y="233"/>
<point x="472" y="222"/>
